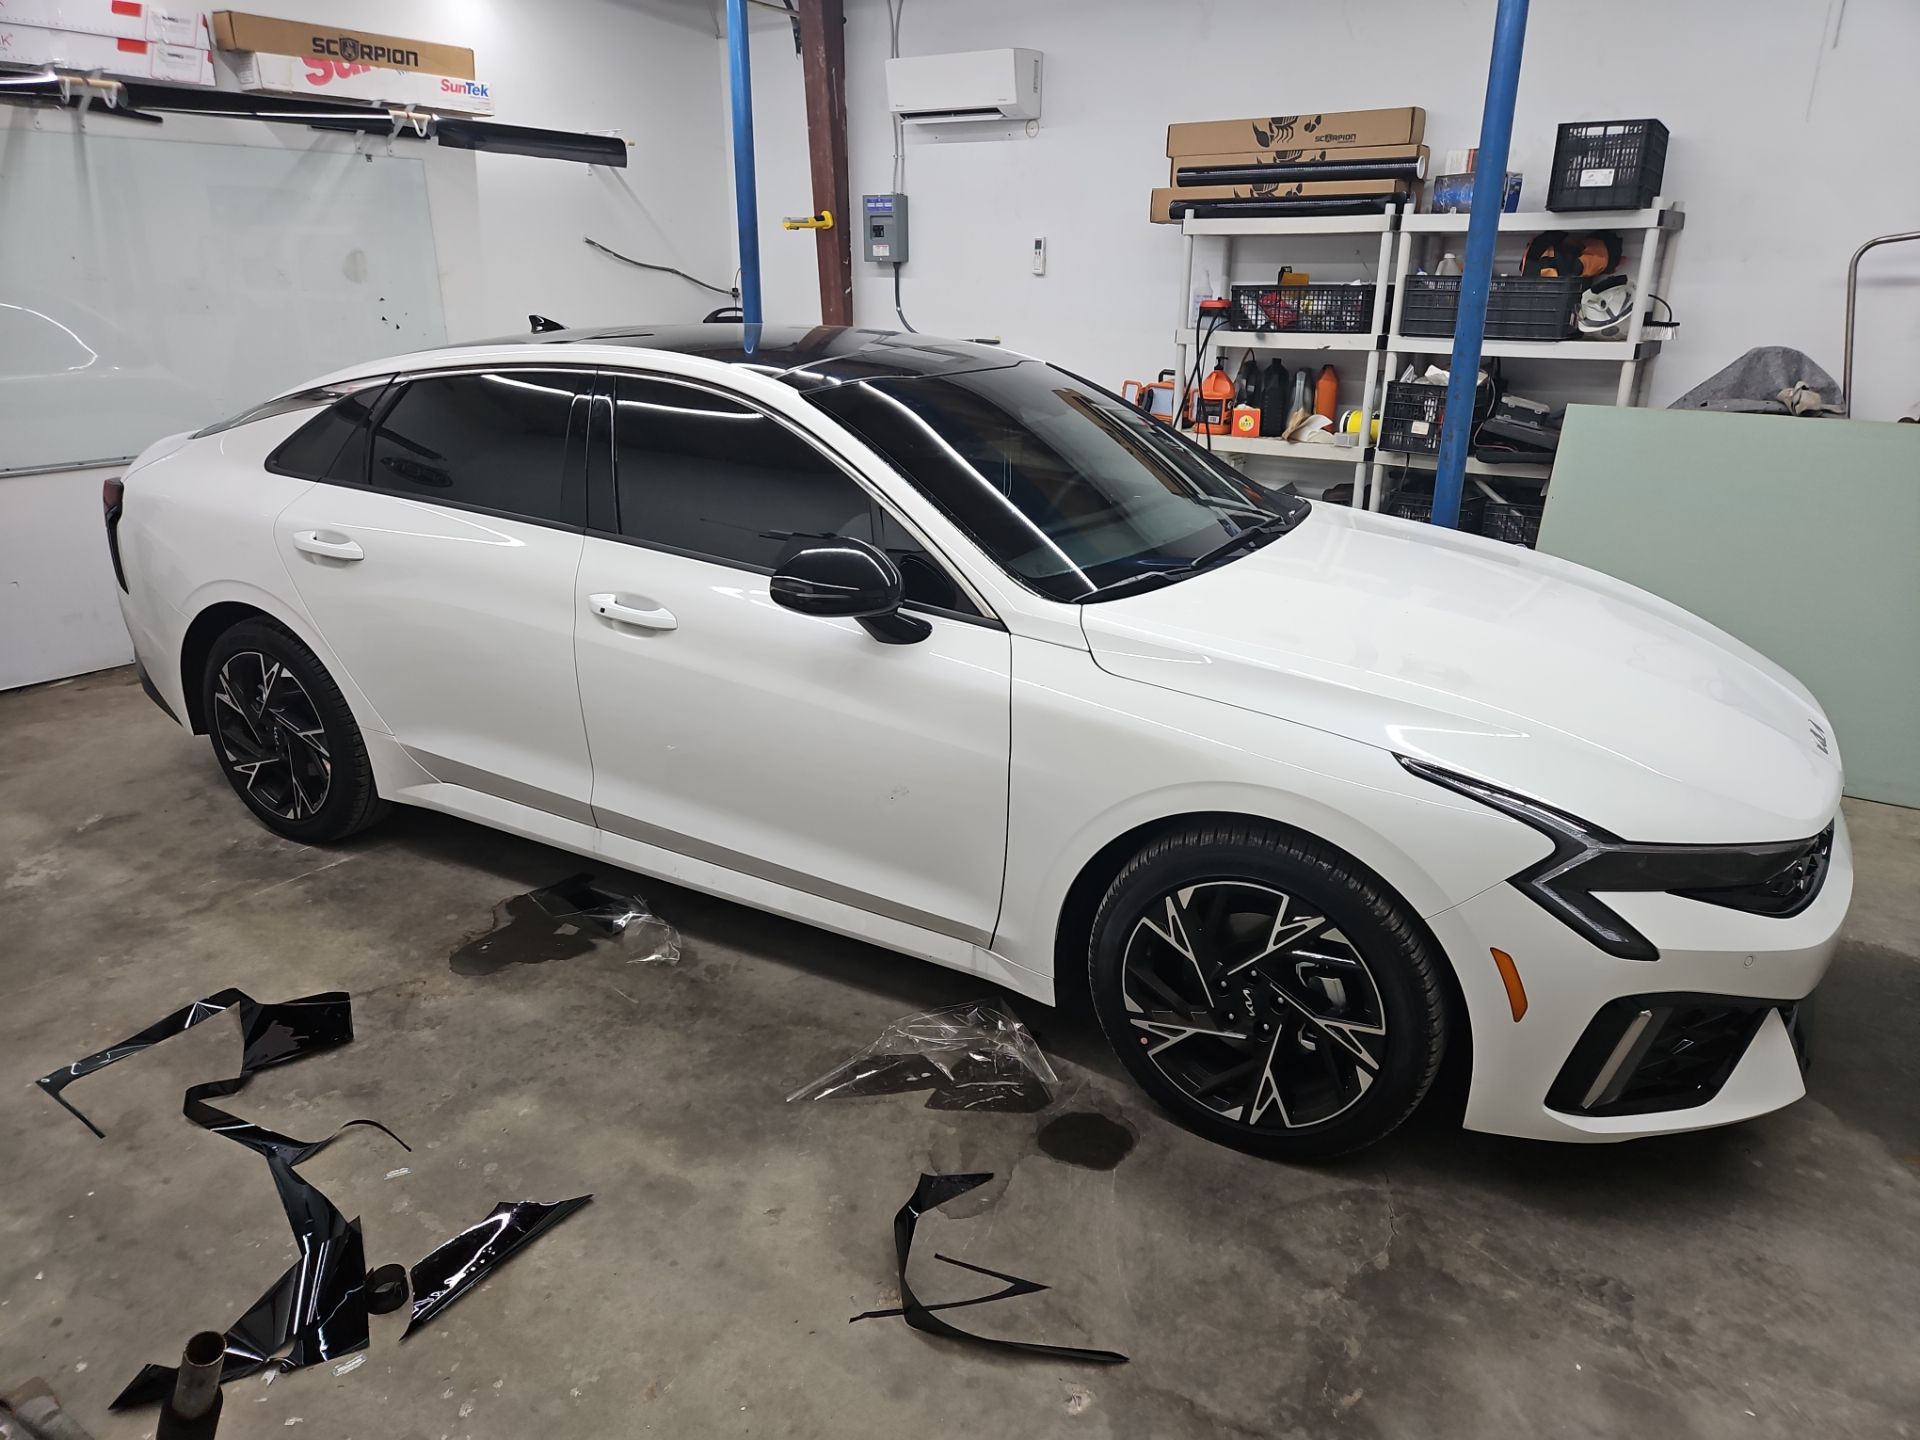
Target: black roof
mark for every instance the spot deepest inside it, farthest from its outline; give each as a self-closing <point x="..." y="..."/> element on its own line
<point x="803" y="355"/>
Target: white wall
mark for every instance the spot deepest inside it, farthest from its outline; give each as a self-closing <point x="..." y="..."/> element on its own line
<point x="1791" y="125"/>
<point x="507" y="234"/>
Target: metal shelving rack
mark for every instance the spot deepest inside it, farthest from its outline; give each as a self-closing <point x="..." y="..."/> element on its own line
<point x="1358" y="455"/>
<point x="1653" y="226"/>
<point x="1401" y="236"/>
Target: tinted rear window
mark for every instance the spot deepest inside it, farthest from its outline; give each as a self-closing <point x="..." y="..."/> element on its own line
<point x="332" y="445"/>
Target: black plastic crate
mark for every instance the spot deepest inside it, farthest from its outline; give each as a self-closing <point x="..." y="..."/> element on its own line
<point x="1519" y="307"/>
<point x="1418" y="505"/>
<point x="1319" y="309"/>
<point x="1516" y="523"/>
<point x="1410" y="417"/>
<point x="1608" y="165"/>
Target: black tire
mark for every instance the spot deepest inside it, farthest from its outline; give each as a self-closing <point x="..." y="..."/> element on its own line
<point x="1326" y="1036"/>
<point x="284" y="736"/>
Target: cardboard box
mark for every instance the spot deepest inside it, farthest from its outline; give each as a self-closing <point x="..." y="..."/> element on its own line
<point x="236" y="30"/>
<point x="120" y="56"/>
<point x="1164" y="199"/>
<point x="318" y="79"/>
<point x="122" y="19"/>
<point x="1318" y="155"/>
<point x="1338" y="129"/>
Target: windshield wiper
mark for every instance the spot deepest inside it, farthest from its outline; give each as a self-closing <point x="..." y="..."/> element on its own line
<point x="1267" y="529"/>
<point x="1271" y="528"/>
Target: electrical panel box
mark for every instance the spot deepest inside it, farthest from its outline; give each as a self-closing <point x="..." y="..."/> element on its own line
<point x="884" y="228"/>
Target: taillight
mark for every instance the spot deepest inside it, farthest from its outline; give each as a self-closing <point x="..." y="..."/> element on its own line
<point x="112" y="501"/>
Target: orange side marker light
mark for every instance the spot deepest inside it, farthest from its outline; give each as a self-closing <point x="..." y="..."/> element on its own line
<point x="1510" y="977"/>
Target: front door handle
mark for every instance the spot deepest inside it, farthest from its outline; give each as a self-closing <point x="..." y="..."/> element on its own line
<point x="653" y="617"/>
<point x="333" y="547"/>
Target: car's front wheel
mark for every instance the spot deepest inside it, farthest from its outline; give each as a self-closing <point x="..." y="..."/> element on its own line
<point x="285" y="737"/>
<point x="1267" y="991"/>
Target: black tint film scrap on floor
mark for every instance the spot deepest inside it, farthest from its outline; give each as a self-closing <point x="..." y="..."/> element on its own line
<point x="932" y="1192"/>
<point x="317" y="1310"/>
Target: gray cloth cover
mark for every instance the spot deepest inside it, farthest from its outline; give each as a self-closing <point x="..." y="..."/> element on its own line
<point x="1754" y="384"/>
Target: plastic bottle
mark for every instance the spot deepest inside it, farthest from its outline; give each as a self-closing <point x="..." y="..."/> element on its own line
<point x="1216" y="399"/>
<point x="1273" y="398"/>
<point x="1326" y="392"/>
<point x="1299" y="409"/>
<point x="1246" y="385"/>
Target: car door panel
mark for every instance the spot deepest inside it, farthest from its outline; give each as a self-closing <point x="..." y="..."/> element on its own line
<point x="798" y="749"/>
<point x="793" y="748"/>
<point x="455" y="620"/>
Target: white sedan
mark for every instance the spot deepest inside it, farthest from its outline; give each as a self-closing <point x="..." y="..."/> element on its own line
<point x="938" y="646"/>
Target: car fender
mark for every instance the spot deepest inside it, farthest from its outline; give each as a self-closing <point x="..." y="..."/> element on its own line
<point x="1291" y="809"/>
<point x="1096" y="757"/>
<point x="295" y="619"/>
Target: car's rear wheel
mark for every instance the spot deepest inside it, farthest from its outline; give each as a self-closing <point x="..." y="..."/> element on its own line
<point x="284" y="736"/>
<point x="1267" y="991"/>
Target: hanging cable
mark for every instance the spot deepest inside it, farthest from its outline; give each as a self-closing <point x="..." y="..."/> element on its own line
<point x="895" y="9"/>
<point x="1207" y="327"/>
<point x="733" y="294"/>
<point x="896" y="303"/>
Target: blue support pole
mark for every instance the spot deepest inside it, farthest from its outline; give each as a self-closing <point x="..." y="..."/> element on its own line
<point x="1476" y="270"/>
<point x="746" y="204"/>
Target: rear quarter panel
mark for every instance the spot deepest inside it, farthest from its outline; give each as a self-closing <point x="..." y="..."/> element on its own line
<point x="197" y="531"/>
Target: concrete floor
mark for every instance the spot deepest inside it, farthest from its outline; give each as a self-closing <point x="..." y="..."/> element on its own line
<point x="1757" y="1282"/>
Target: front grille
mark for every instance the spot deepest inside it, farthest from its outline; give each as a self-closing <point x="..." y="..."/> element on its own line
<point x="1659" y="1052"/>
<point x="1790" y="889"/>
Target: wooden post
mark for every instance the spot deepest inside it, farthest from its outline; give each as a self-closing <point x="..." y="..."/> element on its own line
<point x="823" y="58"/>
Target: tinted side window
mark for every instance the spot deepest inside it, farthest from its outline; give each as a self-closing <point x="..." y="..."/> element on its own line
<point x="927" y="580"/>
<point x="704" y="474"/>
<point x="330" y="446"/>
<point x="498" y="441"/>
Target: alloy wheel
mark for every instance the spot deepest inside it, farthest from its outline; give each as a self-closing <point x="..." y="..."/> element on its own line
<point x="1253" y="1004"/>
<point x="271" y="735"/>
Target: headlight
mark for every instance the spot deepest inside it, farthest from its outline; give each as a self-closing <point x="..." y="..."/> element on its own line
<point x="1777" y="878"/>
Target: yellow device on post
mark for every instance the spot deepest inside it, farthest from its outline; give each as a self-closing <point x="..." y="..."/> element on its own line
<point x="822" y="221"/>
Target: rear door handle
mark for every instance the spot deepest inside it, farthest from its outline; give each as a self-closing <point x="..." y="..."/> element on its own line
<point x="656" y="617"/>
<point x="334" y="547"/>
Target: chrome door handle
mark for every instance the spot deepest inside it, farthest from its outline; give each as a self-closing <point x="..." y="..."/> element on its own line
<point x="314" y="542"/>
<point x="608" y="607"/>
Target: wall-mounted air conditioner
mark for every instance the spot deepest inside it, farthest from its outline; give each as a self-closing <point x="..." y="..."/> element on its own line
<point x="972" y="85"/>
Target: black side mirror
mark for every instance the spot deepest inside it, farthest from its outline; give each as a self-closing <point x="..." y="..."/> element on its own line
<point x="850" y="579"/>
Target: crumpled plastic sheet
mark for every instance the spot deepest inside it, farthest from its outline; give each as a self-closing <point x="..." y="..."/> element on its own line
<point x="455" y="1266"/>
<point x="317" y="1309"/>
<point x="972" y="1057"/>
<point x="932" y="1192"/>
<point x="644" y="937"/>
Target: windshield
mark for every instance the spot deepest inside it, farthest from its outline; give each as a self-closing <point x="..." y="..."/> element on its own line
<point x="1070" y="489"/>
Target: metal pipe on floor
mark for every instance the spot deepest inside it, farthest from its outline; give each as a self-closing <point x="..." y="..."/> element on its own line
<point x="32" y="1412"/>
<point x="1476" y="270"/>
<point x="192" y="1412"/>
<point x="745" y="203"/>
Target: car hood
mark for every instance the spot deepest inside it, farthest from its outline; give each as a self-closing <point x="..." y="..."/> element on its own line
<point x="1520" y="669"/>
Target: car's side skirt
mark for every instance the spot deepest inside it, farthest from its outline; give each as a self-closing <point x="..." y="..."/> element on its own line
<point x="714" y="879"/>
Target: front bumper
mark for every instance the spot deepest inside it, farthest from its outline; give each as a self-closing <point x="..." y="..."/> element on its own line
<point x="1720" y="1003"/>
